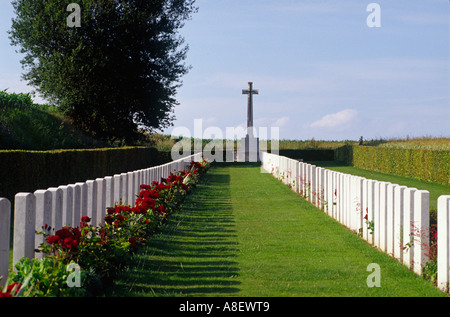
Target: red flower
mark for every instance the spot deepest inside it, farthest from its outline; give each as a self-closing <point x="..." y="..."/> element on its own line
<point x="161" y="209"/>
<point x="132" y="241"/>
<point x="65" y="237"/>
<point x="161" y="187"/>
<point x="68" y="242"/>
<point x="10" y="288"/>
<point x="143" y="204"/>
<point x="52" y="239"/>
<point x="145" y="194"/>
<point x="63" y="233"/>
<point x="119" y="209"/>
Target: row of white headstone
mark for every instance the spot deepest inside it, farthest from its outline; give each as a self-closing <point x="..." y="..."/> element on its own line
<point x="66" y="204"/>
<point x="393" y="218"/>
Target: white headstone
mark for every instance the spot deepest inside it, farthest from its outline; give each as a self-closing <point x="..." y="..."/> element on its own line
<point x="24" y="226"/>
<point x="399" y="201"/>
<point x="57" y="207"/>
<point x="67" y="205"/>
<point x="422" y="225"/>
<point x="390" y="218"/>
<point x="76" y="207"/>
<point x="408" y="226"/>
<point x="92" y="201"/>
<point x="5" y="220"/>
<point x="43" y="215"/>
<point x="101" y="200"/>
<point x="443" y="244"/>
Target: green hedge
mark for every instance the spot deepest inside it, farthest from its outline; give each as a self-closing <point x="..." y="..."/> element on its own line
<point x="344" y="154"/>
<point x="308" y="154"/>
<point x="427" y="165"/>
<point x="27" y="171"/>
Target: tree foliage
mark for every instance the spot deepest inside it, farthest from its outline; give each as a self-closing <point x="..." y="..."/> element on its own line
<point x="115" y="74"/>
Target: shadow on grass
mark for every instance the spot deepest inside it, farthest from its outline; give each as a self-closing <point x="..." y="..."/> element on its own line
<point x="194" y="253"/>
<point x="236" y="164"/>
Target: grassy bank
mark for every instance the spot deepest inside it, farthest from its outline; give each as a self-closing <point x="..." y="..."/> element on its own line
<point x="28" y="126"/>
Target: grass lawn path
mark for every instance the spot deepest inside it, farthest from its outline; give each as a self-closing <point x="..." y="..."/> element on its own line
<point x="243" y="233"/>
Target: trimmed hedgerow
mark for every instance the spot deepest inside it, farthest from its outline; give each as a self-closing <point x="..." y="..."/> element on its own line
<point x="28" y="171"/>
<point x="423" y="164"/>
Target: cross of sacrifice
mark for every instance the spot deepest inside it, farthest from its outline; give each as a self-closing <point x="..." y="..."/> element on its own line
<point x="250" y="92"/>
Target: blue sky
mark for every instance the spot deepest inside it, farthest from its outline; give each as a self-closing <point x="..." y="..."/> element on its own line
<point x="321" y="71"/>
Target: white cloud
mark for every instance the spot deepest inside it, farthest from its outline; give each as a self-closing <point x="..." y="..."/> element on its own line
<point x="281" y="122"/>
<point x="336" y="120"/>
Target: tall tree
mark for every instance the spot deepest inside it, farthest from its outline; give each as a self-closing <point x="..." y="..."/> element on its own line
<point x="116" y="70"/>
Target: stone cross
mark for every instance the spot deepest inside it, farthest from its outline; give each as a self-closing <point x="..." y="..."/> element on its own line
<point x="250" y="93"/>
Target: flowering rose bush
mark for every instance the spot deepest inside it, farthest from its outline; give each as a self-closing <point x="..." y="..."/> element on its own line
<point x="106" y="249"/>
<point x="66" y="238"/>
<point x="39" y="278"/>
<point x="10" y="290"/>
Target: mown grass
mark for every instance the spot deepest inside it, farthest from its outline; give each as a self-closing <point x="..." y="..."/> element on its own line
<point x="435" y="189"/>
<point x="243" y="233"/>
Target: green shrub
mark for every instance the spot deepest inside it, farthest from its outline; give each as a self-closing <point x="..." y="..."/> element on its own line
<point x="27" y="171"/>
<point x="309" y="154"/>
<point x="47" y="277"/>
<point x="423" y="164"/>
<point x="28" y="126"/>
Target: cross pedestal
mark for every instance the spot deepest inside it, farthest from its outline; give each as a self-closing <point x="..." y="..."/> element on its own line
<point x="249" y="148"/>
